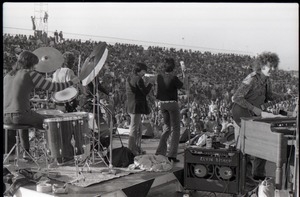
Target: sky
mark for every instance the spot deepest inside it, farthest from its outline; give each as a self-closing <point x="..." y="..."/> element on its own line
<point x="244" y="28"/>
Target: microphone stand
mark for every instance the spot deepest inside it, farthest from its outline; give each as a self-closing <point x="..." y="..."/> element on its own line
<point x="188" y="104"/>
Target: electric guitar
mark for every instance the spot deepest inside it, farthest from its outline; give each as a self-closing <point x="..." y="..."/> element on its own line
<point x="239" y="111"/>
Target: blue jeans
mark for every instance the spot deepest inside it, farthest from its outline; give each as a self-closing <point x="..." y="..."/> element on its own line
<point x="135" y="133"/>
<point x="29" y="118"/>
<point x="171" y="118"/>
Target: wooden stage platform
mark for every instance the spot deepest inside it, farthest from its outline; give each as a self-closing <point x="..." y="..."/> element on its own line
<point x="153" y="184"/>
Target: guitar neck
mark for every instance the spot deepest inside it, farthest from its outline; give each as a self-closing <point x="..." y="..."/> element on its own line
<point x="271" y="103"/>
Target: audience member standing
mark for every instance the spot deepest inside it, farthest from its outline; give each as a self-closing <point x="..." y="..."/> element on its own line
<point x="56" y="37"/>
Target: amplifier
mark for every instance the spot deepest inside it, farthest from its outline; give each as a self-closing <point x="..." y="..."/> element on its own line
<point x="214" y="170"/>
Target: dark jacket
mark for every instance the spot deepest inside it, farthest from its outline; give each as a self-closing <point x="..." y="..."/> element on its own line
<point x="136" y="93"/>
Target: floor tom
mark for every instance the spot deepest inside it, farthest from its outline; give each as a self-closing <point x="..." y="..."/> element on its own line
<point x="61" y="133"/>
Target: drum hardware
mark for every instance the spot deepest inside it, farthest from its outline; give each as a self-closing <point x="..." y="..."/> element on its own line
<point x="46" y="152"/>
<point x="78" y="172"/>
<point x="40" y="101"/>
<point x="90" y="69"/>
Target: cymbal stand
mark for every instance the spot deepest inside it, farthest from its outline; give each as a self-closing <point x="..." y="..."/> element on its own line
<point x="78" y="172"/>
<point x="110" y="169"/>
<point x="94" y="141"/>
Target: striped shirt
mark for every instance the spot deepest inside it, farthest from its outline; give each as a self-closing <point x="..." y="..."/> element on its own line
<point x="17" y="89"/>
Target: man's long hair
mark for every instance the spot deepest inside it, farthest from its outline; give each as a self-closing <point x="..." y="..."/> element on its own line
<point x="26" y="60"/>
<point x="69" y="60"/>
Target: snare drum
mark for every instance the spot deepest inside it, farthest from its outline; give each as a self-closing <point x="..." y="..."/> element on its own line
<point x="65" y="95"/>
<point x="59" y="132"/>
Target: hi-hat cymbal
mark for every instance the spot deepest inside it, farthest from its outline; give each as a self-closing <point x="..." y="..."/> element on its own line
<point x="50" y="59"/>
<point x="93" y="64"/>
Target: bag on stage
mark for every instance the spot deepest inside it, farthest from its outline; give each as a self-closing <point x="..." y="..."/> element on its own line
<point x="121" y="157"/>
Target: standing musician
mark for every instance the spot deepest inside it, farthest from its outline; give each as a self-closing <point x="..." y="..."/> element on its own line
<point x="137" y="105"/>
<point x="254" y="91"/>
<point x="18" y="84"/>
<point x="64" y="74"/>
<point x="167" y="94"/>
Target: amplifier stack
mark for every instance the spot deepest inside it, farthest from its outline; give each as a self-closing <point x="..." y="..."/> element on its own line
<point x="214" y="170"/>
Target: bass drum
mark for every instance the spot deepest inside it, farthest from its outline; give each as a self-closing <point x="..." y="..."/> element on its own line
<point x="62" y="134"/>
<point x="84" y="130"/>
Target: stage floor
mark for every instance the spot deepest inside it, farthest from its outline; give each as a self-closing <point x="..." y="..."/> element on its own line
<point x="135" y="184"/>
<point x="152" y="184"/>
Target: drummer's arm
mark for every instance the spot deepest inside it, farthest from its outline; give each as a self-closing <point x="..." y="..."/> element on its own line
<point x="40" y="82"/>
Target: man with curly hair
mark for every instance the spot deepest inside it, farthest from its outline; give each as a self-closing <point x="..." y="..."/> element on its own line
<point x="254" y="91"/>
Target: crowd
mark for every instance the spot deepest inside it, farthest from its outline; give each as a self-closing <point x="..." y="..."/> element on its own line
<point x="213" y="80"/>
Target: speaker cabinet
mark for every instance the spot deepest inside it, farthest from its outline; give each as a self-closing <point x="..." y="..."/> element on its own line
<point x="214" y="170"/>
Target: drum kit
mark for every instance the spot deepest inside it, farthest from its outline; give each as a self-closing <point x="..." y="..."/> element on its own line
<point x="67" y="135"/>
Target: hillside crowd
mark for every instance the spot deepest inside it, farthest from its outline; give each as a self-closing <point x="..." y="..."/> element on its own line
<point x="214" y="77"/>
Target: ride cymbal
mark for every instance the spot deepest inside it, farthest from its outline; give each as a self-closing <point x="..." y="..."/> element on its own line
<point x="50" y="59"/>
<point x="93" y="64"/>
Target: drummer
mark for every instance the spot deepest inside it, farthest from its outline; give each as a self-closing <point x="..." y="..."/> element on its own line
<point x="64" y="74"/>
<point x="18" y="85"/>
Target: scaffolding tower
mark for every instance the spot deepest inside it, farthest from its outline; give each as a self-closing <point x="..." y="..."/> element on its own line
<point x="41" y="19"/>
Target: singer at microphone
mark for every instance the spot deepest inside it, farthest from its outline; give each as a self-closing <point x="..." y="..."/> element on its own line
<point x="168" y="85"/>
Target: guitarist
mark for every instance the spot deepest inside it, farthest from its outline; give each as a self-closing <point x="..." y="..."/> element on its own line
<point x="254" y="91"/>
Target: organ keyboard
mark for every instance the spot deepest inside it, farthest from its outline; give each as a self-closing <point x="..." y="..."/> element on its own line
<point x="267" y="138"/>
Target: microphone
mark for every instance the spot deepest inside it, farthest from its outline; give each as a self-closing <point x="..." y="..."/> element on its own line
<point x="183" y="68"/>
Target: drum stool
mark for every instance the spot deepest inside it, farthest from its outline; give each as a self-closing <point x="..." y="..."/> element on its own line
<point x="18" y="128"/>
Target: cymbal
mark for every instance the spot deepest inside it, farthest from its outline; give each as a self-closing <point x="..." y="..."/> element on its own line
<point x="93" y="64"/>
<point x="50" y="59"/>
